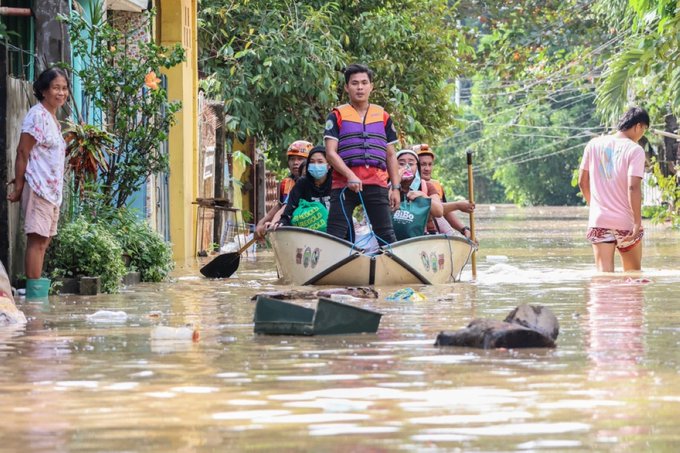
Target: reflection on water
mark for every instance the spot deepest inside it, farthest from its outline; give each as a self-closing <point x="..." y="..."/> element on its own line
<point x="612" y="383"/>
<point x="614" y="326"/>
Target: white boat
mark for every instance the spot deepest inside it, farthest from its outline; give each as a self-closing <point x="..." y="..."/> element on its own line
<point x="308" y="257"/>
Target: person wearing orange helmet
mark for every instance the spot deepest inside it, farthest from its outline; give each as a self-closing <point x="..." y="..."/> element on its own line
<point x="449" y="220"/>
<point x="296" y="153"/>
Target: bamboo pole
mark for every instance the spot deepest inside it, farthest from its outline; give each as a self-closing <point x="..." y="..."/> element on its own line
<point x="471" y="194"/>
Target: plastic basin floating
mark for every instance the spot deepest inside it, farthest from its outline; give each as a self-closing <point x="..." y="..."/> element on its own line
<point x="276" y="317"/>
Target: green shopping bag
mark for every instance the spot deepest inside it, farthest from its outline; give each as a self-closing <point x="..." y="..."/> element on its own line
<point x="411" y="217"/>
<point x="310" y="214"/>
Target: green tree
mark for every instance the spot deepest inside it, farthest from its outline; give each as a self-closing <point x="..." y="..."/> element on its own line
<point x="646" y="71"/>
<point x="276" y="63"/>
<point x="531" y="104"/>
<point x="417" y="48"/>
<point x="125" y="87"/>
<point x="648" y="63"/>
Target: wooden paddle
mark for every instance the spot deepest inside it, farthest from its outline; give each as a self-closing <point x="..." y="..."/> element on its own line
<point x="225" y="264"/>
<point x="471" y="193"/>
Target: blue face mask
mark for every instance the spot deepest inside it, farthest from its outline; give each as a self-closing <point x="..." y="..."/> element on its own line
<point x="317" y="171"/>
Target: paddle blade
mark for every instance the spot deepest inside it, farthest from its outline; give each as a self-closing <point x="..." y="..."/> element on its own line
<point x="223" y="266"/>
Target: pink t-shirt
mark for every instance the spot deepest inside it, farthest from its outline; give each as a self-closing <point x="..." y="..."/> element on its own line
<point x="610" y="160"/>
<point x="45" y="169"/>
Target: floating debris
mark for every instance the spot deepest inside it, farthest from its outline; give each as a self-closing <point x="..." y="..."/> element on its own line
<point x="527" y="326"/>
<point x="106" y="316"/>
<point x="175" y="333"/>
<point x="407" y="294"/>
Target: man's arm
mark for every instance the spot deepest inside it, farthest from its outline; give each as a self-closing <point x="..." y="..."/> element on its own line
<point x="450" y="216"/>
<point x="260" y="229"/>
<point x="635" y="202"/>
<point x="457" y="224"/>
<point x="464" y="206"/>
<point x="26" y="143"/>
<point x="291" y="205"/>
<point x="339" y="165"/>
<point x="393" y="172"/>
<point x="584" y="185"/>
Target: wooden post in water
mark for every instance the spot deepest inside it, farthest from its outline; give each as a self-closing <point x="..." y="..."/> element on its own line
<point x="471" y="194"/>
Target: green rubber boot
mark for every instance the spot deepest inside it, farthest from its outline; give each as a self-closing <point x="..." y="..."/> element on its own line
<point x="37" y="288"/>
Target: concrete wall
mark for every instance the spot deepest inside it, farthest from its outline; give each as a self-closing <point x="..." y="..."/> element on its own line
<point x="51" y="36"/>
<point x="19" y="100"/>
<point x="51" y="46"/>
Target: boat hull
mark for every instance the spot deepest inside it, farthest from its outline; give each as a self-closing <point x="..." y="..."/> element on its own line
<point x="307" y="257"/>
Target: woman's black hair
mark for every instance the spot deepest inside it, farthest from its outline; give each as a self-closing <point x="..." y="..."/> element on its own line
<point x="44" y="80"/>
<point x="632" y="117"/>
<point x="317" y="149"/>
<point x="356" y="68"/>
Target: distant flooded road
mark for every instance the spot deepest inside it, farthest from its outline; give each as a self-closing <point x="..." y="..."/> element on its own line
<point x="612" y="383"/>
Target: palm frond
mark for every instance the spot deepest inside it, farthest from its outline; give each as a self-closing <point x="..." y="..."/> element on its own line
<point x="612" y="95"/>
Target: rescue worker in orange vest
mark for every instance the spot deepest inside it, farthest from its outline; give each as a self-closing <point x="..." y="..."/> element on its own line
<point x="449" y="221"/>
<point x="359" y="139"/>
<point x="297" y="155"/>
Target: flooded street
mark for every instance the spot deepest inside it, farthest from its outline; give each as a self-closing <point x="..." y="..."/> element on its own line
<point x="612" y="383"/>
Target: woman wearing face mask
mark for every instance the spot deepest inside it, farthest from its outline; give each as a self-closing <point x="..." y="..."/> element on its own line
<point x="315" y="185"/>
<point x="413" y="187"/>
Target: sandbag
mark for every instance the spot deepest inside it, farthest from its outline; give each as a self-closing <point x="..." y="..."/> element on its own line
<point x="310" y="214"/>
<point x="410" y="219"/>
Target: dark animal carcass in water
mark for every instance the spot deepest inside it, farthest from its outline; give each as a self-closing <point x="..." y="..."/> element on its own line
<point x="527" y="326"/>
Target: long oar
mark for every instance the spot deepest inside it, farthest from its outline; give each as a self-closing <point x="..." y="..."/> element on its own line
<point x="222" y="266"/>
<point x="471" y="193"/>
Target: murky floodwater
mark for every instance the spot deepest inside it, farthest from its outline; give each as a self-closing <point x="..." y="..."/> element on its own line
<point x="613" y="383"/>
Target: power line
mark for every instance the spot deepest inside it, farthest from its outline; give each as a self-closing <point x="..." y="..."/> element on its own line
<point x="530" y="126"/>
<point x="488" y="172"/>
<point x="500" y="129"/>
<point x="510" y="160"/>
<point x="561" y="89"/>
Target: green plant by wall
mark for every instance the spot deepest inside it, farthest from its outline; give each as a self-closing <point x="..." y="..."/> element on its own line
<point x="670" y="198"/>
<point x="148" y="251"/>
<point x="119" y="78"/>
<point x="86" y="148"/>
<point x="83" y="248"/>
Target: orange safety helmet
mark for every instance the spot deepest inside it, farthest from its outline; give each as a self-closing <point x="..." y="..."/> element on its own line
<point x="423" y="149"/>
<point x="299" y="148"/>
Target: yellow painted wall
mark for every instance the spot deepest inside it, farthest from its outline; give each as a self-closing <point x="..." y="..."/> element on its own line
<point x="177" y="24"/>
<point x="241" y="173"/>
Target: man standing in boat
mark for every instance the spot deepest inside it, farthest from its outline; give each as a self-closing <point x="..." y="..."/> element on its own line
<point x="448" y="222"/>
<point x="359" y="139"/>
<point x="610" y="179"/>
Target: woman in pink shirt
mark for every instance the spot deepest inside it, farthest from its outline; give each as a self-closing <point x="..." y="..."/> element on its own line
<point x="610" y="178"/>
<point x="39" y="169"/>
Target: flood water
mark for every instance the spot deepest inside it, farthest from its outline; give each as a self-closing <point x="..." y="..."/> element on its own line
<point x="612" y="383"/>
